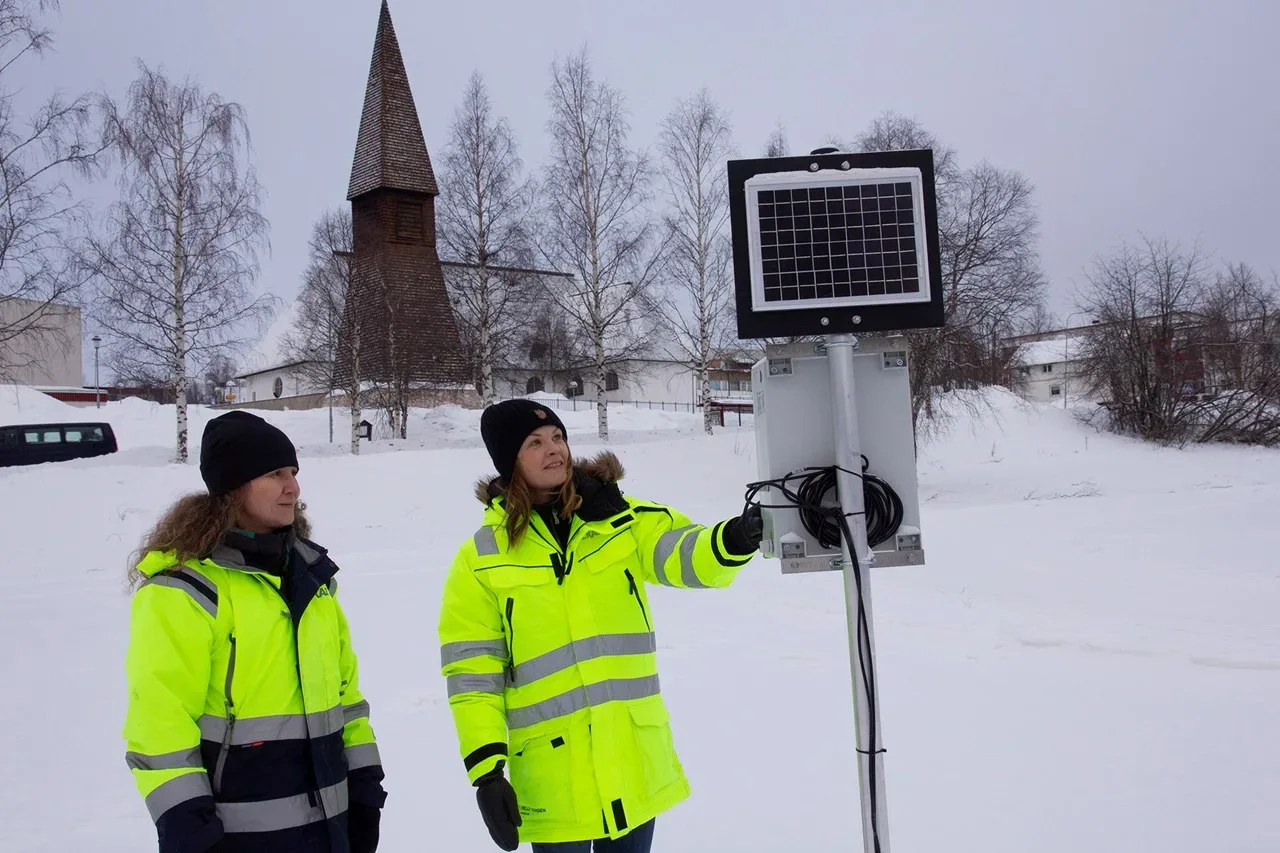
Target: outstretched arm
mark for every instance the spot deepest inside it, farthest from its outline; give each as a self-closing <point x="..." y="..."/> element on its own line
<point x="674" y="551"/>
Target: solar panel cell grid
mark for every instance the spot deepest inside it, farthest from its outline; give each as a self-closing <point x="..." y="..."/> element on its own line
<point x="838" y="242"/>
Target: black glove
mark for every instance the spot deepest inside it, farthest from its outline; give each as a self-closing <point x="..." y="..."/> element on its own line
<point x="497" y="801"/>
<point x="742" y="535"/>
<point x="362" y="827"/>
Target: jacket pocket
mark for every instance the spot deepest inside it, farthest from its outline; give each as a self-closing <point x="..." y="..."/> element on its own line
<point x="635" y="591"/>
<point x="541" y="774"/>
<point x="660" y="768"/>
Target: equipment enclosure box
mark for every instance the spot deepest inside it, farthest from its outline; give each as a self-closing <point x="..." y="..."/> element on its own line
<point x="793" y="419"/>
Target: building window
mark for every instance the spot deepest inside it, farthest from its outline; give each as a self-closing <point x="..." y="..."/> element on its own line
<point x="1046" y="368"/>
<point x="409" y="220"/>
<point x="534" y="385"/>
<point x="611" y="381"/>
<point x="1055" y="390"/>
<point x="277" y="387"/>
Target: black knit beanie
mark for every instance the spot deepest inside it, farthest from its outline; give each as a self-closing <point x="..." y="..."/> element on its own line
<point x="238" y="447"/>
<point x="504" y="427"/>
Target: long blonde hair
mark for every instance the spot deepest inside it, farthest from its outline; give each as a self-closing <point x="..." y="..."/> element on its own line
<point x="517" y="500"/>
<point x="194" y="525"/>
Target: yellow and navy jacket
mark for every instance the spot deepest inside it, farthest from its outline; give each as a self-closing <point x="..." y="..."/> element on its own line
<point x="549" y="654"/>
<point x="246" y="727"/>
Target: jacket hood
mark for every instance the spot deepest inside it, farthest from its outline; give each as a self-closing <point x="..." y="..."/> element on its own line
<point x="604" y="467"/>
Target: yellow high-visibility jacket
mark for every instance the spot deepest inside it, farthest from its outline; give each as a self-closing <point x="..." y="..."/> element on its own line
<point x="549" y="655"/>
<point x="245" y="721"/>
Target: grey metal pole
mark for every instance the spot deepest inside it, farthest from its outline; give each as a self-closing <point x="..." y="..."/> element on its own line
<point x="97" y="385"/>
<point x="840" y="350"/>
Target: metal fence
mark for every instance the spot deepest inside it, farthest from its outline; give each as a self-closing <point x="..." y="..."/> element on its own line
<point x="575" y="404"/>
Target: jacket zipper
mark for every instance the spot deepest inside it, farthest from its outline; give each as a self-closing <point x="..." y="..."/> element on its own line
<point x="511" y="643"/>
<point x="229" y="705"/>
<point x="636" y="592"/>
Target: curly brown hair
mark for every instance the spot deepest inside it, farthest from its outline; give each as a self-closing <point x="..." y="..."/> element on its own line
<point x="518" y="502"/>
<point x="194" y="525"/>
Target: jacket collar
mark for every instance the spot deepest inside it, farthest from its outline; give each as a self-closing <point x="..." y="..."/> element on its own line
<point x="596" y="480"/>
<point x="303" y="566"/>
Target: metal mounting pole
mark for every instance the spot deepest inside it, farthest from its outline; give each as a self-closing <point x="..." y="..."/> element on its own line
<point x="840" y="350"/>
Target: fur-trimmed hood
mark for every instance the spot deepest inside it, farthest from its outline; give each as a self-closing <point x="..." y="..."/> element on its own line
<point x="605" y="468"/>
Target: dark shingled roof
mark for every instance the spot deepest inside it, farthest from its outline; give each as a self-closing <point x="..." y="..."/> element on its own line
<point x="391" y="152"/>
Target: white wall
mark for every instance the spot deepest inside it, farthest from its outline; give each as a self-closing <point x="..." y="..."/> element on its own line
<point x="52" y="358"/>
<point x="261" y="386"/>
<point x="1046" y="383"/>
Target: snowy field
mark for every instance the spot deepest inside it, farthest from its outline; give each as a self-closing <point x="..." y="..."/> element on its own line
<point x="1090" y="660"/>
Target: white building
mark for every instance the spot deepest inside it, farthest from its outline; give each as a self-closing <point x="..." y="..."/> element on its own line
<point x="50" y="354"/>
<point x="1047" y="369"/>
<point x="285" y="383"/>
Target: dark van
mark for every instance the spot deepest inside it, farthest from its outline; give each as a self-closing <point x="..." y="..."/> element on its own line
<point x="31" y="444"/>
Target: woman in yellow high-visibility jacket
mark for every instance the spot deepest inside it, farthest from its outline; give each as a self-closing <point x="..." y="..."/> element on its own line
<point x="246" y="729"/>
<point x="547" y="640"/>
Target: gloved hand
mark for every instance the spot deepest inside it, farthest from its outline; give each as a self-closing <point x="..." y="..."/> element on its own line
<point x="742" y="535"/>
<point x="497" y="801"/>
<point x="362" y="827"/>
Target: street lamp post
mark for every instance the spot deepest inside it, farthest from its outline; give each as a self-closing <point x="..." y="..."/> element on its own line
<point x="97" y="386"/>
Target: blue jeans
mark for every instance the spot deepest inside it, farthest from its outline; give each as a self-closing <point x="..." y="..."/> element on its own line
<point x="638" y="840"/>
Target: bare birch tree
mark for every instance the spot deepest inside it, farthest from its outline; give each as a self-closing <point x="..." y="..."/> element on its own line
<point x="37" y="212"/>
<point x="991" y="276"/>
<point x="312" y="342"/>
<point x="484" y="205"/>
<point x="776" y="146"/>
<point x="1178" y="355"/>
<point x="595" y="222"/>
<point x="177" y="257"/>
<point x="696" y="141"/>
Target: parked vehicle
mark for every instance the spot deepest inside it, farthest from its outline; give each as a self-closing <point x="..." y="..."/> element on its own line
<point x="31" y="444"/>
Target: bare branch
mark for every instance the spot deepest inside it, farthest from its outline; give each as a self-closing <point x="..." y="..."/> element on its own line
<point x="484" y="211"/>
<point x="595" y="224"/>
<point x="177" y="256"/>
<point x="696" y="141"/>
<point x="38" y="216"/>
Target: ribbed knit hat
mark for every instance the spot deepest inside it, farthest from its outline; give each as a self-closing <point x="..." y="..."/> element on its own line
<point x="238" y="447"/>
<point x="504" y="427"/>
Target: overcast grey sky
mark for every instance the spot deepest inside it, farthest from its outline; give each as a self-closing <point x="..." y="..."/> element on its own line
<point x="1153" y="115"/>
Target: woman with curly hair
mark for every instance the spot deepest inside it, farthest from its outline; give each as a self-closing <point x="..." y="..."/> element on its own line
<point x="246" y="729"/>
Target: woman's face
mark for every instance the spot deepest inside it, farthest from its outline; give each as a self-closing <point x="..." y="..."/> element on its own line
<point x="270" y="501"/>
<point x="543" y="460"/>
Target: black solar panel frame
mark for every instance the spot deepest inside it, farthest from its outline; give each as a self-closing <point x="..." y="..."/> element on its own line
<point x="820" y="320"/>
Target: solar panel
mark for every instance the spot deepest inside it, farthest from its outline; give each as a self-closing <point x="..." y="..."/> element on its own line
<point x="827" y="240"/>
<point x="814" y="235"/>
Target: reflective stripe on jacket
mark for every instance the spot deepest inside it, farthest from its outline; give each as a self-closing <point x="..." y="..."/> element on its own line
<point x="550" y="660"/>
<point x="245" y="719"/>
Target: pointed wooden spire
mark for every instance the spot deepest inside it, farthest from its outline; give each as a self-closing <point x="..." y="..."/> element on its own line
<point x="391" y="152"/>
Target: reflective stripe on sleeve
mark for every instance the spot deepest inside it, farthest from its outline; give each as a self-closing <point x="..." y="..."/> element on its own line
<point x="687" y="573"/>
<point x="362" y="755"/>
<point x="176" y="791"/>
<point x="283" y="813"/>
<point x="180" y="760"/>
<point x="582" y="697"/>
<point x="192" y="583"/>
<point x="466" y="649"/>
<point x="588" y="648"/>
<point x="662" y="552"/>
<point x="467" y="682"/>
<point x="351" y="713"/>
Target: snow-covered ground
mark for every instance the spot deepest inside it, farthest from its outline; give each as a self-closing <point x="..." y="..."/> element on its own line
<point x="1090" y="660"/>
